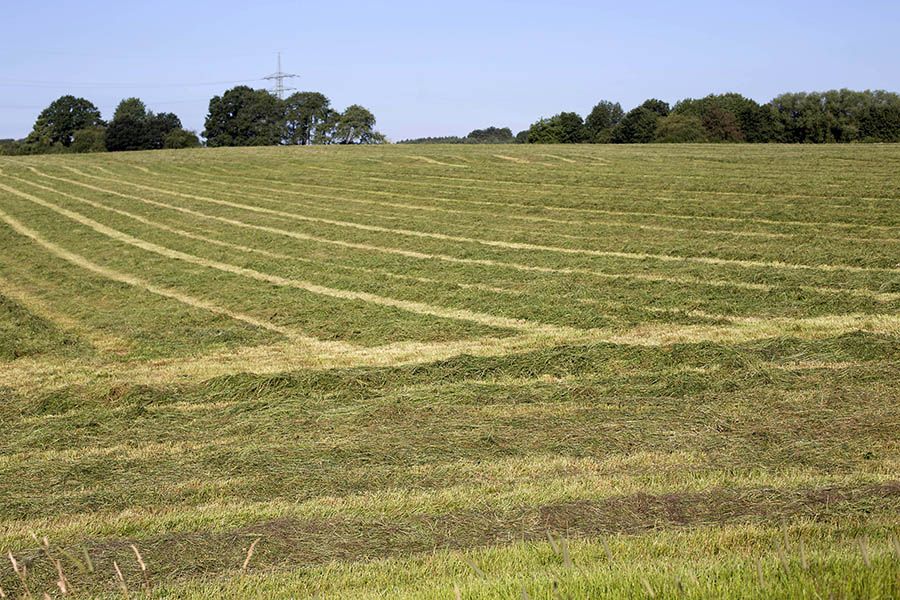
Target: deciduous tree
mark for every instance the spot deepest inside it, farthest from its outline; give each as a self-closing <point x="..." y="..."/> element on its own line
<point x="304" y="113"/>
<point x="564" y="128"/>
<point x="243" y="116"/>
<point x="637" y="127"/>
<point x="89" y="139"/>
<point x="604" y="116"/>
<point x="131" y="107"/>
<point x="127" y="133"/>
<point x="676" y="128"/>
<point x="58" y="122"/>
<point x="181" y="138"/>
<point x="356" y="125"/>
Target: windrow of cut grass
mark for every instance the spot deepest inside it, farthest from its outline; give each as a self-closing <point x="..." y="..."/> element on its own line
<point x="451" y="372"/>
<point x="769" y="205"/>
<point x="362" y="195"/>
<point x="759" y="256"/>
<point x="362" y="246"/>
<point x="511" y="244"/>
<point x="749" y="214"/>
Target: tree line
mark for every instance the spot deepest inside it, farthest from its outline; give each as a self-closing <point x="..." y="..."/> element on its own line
<point x="489" y="135"/>
<point x="71" y="124"/>
<point x="241" y="116"/>
<point x="817" y="117"/>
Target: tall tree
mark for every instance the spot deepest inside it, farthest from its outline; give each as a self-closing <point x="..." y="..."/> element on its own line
<point x="135" y="128"/>
<point x="879" y="121"/>
<point x="131" y="107"/>
<point x="304" y="114"/>
<point x="181" y="138"/>
<point x="89" y="139"/>
<point x="604" y="116"/>
<point x="127" y="133"/>
<point x="243" y="116"/>
<point x="158" y="127"/>
<point x="58" y="122"/>
<point x="356" y="125"/>
<point x="722" y="125"/>
<point x="678" y="128"/>
<point x="564" y="128"/>
<point x="658" y="106"/>
<point x="730" y="117"/>
<point x="637" y="127"/>
<point x="490" y="135"/>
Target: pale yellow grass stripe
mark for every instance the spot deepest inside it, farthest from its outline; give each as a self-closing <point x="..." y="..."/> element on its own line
<point x="839" y="224"/>
<point x="157" y="225"/>
<point x="414" y="307"/>
<point x="756" y="328"/>
<point x="562" y="158"/>
<point x="504" y="244"/>
<point x="482" y="214"/>
<point x="507" y="182"/>
<point x="86" y="264"/>
<point x="756" y="176"/>
<point x="507" y="205"/>
<point x="533" y="218"/>
<point x="880" y="296"/>
<point x="30" y="375"/>
<point x="520" y="161"/>
<point x="140" y="451"/>
<point x="98" y="340"/>
<point x="437" y="162"/>
<point x="813" y="365"/>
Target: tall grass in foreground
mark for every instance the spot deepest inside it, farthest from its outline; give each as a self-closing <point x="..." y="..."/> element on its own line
<point x="771" y="564"/>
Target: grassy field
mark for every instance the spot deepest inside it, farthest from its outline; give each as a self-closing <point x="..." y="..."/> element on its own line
<point x="452" y="372"/>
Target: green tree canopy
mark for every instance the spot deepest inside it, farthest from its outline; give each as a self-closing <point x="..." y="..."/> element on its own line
<point x="564" y="128"/>
<point x="127" y="133"/>
<point x="158" y="127"/>
<point x="490" y="135"/>
<point x="89" y="139"/>
<point x="636" y="127"/>
<point x="837" y="116"/>
<point x="604" y="116"/>
<point x="722" y="125"/>
<point x="131" y="107"/>
<point x="243" y="116"/>
<point x="879" y="120"/>
<point x="58" y="122"/>
<point x="730" y="117"/>
<point x="181" y="138"/>
<point x="678" y="128"/>
<point x="356" y="125"/>
<point x="304" y="114"/>
<point x="658" y="106"/>
<point x="135" y="128"/>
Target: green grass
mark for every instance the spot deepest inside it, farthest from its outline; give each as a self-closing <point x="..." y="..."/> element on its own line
<point x="635" y="372"/>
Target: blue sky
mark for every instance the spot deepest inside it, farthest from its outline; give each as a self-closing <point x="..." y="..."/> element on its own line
<point x="427" y="68"/>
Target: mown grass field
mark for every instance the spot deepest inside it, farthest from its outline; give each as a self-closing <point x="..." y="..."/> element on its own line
<point x="445" y="371"/>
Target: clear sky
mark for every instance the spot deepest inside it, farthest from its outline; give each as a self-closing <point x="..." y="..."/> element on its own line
<point x="430" y="68"/>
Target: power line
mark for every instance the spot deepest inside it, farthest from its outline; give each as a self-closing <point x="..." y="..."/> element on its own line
<point x="44" y="84"/>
